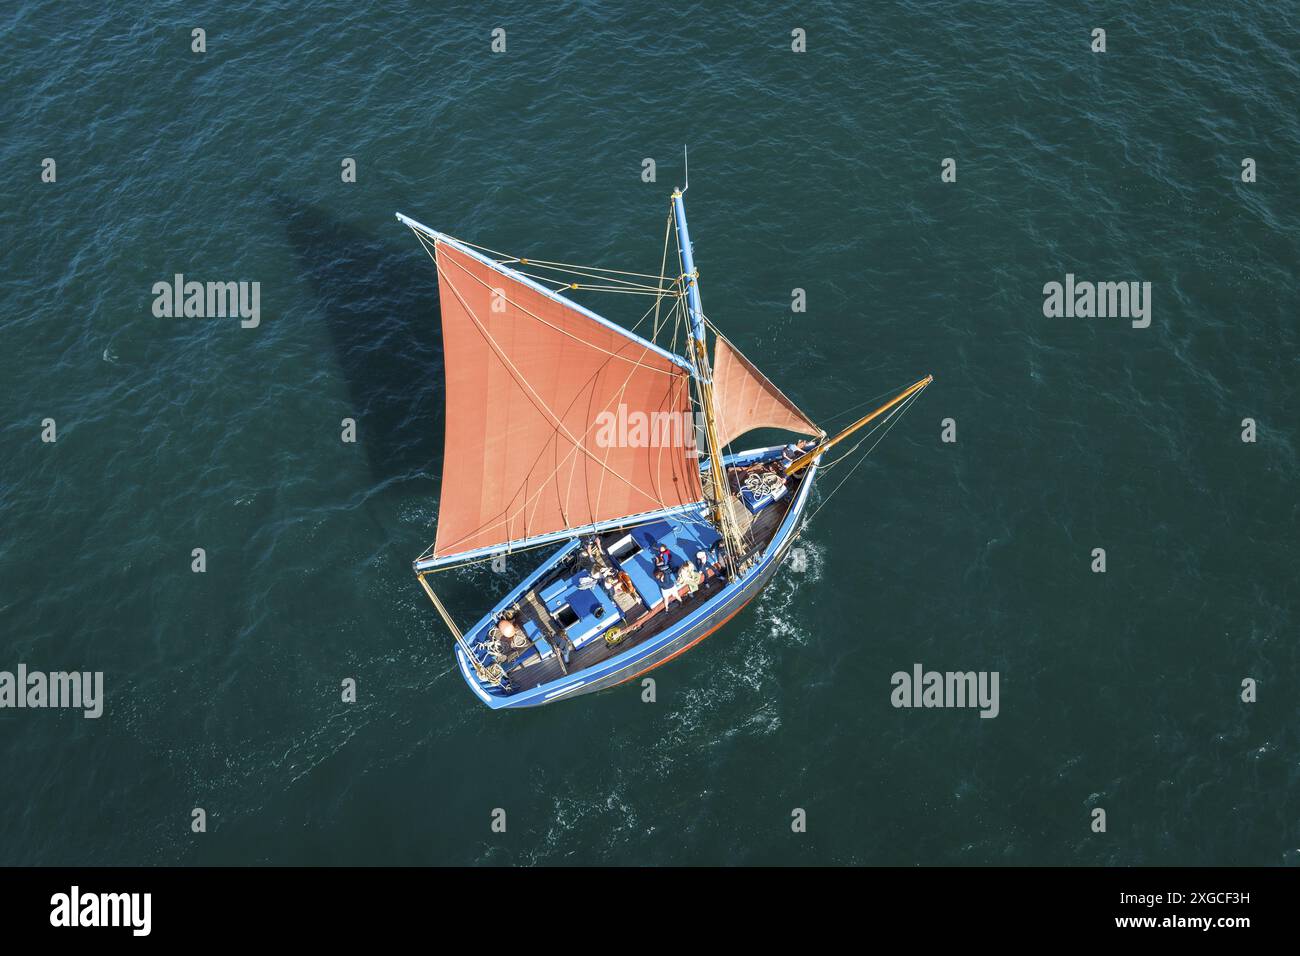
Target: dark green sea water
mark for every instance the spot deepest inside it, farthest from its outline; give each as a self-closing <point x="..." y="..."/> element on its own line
<point x="818" y="171"/>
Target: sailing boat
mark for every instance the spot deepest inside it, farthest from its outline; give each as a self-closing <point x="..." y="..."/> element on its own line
<point x="564" y="427"/>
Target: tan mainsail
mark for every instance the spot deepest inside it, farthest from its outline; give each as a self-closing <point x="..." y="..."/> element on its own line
<point x="744" y="399"/>
<point x="555" y="419"/>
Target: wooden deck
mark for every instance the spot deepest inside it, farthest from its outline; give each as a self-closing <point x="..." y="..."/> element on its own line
<point x="757" y="530"/>
<point x="523" y="678"/>
<point x="642" y="624"/>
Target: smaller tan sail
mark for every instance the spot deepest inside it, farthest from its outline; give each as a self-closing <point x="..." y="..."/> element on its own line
<point x="744" y="398"/>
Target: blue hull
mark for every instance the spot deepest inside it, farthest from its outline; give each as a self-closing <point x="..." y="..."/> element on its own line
<point x="662" y="647"/>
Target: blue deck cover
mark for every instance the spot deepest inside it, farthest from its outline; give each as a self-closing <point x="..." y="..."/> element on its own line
<point x="590" y="625"/>
<point x="756" y="503"/>
<point x="684" y="538"/>
<point x="541" y="647"/>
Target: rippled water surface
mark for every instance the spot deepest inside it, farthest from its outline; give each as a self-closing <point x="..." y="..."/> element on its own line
<point x="817" y="171"/>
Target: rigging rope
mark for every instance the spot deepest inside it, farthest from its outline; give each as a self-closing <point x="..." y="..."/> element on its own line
<point x="538" y="318"/>
<point x="663" y="268"/>
<point x="892" y="419"/>
<point x="643" y="289"/>
<point x="505" y="258"/>
<point x="873" y="398"/>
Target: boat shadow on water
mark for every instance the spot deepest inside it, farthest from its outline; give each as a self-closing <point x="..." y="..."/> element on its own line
<point x="375" y="297"/>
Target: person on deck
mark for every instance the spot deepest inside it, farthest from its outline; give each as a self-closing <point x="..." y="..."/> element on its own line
<point x="690" y="578"/>
<point x="668" y="589"/>
<point x="716" y="562"/>
<point x="794" y="451"/>
<point x="709" y="561"/>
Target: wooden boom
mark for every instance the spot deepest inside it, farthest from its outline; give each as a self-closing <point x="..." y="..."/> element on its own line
<point x="803" y="461"/>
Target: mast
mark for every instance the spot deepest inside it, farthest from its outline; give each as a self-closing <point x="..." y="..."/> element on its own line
<point x="699" y="357"/>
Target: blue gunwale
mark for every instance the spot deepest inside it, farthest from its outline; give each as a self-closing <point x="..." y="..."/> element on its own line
<point x="725" y="604"/>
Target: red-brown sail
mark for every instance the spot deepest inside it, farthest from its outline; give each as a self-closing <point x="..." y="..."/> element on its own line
<point x="555" y="418"/>
<point x="744" y="399"/>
